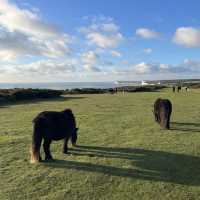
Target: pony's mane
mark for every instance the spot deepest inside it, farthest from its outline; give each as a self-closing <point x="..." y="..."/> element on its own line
<point x="68" y="111"/>
<point x="70" y="115"/>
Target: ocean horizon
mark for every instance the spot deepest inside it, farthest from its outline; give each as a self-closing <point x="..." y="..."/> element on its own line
<point x="60" y="85"/>
<point x="96" y="85"/>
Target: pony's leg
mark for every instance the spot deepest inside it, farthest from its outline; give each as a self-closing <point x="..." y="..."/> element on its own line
<point x="156" y="117"/>
<point x="46" y="146"/>
<point x="65" y="147"/>
<point x="168" y="122"/>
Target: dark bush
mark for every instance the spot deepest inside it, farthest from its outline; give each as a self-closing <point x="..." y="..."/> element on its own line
<point x="27" y="94"/>
<point x="24" y="94"/>
<point x="86" y="91"/>
<point x="150" y="88"/>
<point x="30" y="94"/>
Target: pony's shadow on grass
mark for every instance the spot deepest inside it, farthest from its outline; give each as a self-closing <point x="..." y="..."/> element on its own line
<point x="143" y="164"/>
<point x="186" y="127"/>
<point x="39" y="100"/>
<point x="3" y="106"/>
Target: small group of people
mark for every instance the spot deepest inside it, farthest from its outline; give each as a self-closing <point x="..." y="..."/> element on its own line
<point x="179" y="88"/>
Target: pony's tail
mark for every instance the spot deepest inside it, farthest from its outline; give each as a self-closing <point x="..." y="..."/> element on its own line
<point x="36" y="143"/>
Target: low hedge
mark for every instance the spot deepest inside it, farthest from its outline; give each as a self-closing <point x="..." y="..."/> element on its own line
<point x="28" y="94"/>
<point x="113" y="90"/>
<point x="86" y="91"/>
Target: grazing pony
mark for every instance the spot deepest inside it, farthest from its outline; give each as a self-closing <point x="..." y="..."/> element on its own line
<point x="178" y="88"/>
<point x="162" y="112"/>
<point x="49" y="126"/>
<point x="173" y="88"/>
<point x="112" y="91"/>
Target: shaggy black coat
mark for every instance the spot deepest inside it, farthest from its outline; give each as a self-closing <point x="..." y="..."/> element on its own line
<point x="49" y="126"/>
<point x="162" y="112"/>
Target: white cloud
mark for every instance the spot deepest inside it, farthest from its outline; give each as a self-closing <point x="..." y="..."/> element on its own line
<point x="110" y="27"/>
<point x="103" y="33"/>
<point x="145" y="70"/>
<point x="188" y="66"/>
<point x="148" y="50"/>
<point x="90" y="57"/>
<point x="147" y="33"/>
<point x="14" y="44"/>
<point x="125" y="62"/>
<point x="45" y="67"/>
<point x="142" y="68"/>
<point x="164" y="67"/>
<point x="91" y="68"/>
<point x="104" y="41"/>
<point x="193" y="65"/>
<point x="90" y="61"/>
<point x="187" y="36"/>
<point x="24" y="33"/>
<point x="39" y="71"/>
<point x="15" y="19"/>
<point x="52" y="70"/>
<point x="115" y="53"/>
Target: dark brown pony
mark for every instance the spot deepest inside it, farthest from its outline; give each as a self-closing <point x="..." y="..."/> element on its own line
<point x="178" y="88"/>
<point x="49" y="126"/>
<point x="173" y="88"/>
<point x="162" y="112"/>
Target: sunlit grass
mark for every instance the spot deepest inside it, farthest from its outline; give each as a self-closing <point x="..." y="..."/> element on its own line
<point x="123" y="153"/>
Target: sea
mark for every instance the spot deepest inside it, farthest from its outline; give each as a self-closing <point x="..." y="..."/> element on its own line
<point x="59" y="85"/>
<point x="69" y="85"/>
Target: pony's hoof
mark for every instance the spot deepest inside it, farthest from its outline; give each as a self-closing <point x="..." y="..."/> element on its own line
<point x="74" y="144"/>
<point x="49" y="158"/>
<point x="66" y="152"/>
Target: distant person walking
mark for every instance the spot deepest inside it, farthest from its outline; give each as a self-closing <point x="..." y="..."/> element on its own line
<point x="173" y="88"/>
<point x="178" y="88"/>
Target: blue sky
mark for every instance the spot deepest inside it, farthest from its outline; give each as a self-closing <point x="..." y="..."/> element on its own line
<point x="98" y="40"/>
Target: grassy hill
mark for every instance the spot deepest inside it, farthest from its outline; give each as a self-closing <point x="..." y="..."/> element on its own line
<point x="122" y="153"/>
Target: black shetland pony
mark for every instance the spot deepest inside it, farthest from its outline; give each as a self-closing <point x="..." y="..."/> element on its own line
<point x="162" y="112"/>
<point x="49" y="126"/>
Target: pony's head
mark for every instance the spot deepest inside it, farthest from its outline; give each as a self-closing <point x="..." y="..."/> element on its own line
<point x="74" y="137"/>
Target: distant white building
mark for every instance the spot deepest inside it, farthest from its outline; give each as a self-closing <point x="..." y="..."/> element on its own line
<point x="144" y="83"/>
<point x="135" y="83"/>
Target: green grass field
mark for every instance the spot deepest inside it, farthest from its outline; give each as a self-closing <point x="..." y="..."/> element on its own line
<point x="123" y="153"/>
